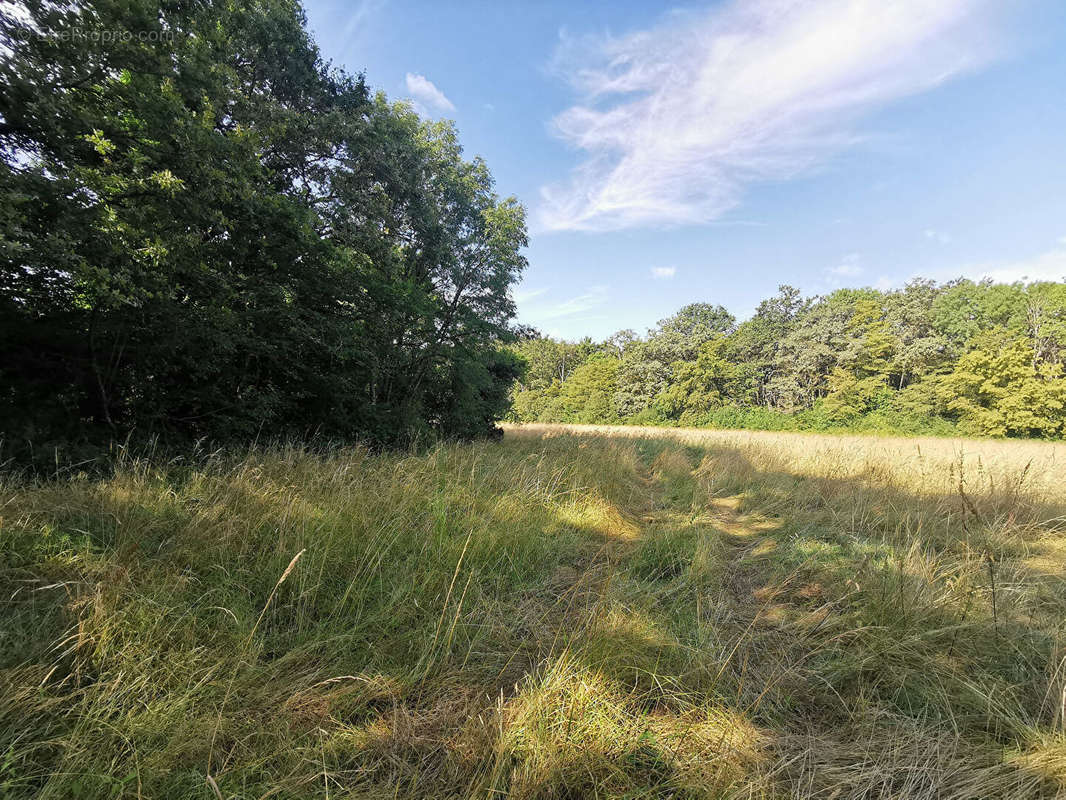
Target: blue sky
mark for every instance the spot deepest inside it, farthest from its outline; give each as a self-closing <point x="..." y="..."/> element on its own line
<point x="711" y="151"/>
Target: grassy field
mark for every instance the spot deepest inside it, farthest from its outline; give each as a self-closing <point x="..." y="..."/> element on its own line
<point x="568" y="613"/>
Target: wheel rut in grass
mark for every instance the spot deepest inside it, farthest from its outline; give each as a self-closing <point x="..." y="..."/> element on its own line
<point x="746" y="543"/>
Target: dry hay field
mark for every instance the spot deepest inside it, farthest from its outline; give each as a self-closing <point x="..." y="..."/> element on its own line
<point x="576" y="611"/>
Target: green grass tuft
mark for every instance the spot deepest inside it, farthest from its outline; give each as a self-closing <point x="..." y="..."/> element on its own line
<point x="564" y="614"/>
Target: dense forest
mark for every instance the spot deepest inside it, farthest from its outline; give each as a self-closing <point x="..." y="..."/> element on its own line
<point x="208" y="232"/>
<point x="960" y="357"/>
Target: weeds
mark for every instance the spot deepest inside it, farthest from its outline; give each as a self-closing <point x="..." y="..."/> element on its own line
<point x="564" y="614"/>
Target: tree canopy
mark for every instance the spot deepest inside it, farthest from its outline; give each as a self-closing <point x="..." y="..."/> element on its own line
<point x="975" y="358"/>
<point x="208" y="231"/>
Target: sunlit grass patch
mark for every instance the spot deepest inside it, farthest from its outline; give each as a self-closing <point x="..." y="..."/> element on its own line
<point x="564" y="615"/>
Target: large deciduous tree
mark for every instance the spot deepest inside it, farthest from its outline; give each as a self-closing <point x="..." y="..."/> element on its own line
<point x="208" y="231"/>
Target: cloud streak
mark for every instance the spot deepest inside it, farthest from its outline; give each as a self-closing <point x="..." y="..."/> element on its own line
<point x="524" y="296"/>
<point x="940" y="237"/>
<point x="1046" y="266"/>
<point x="676" y="121"/>
<point x="424" y="91"/>
<point x="848" y="267"/>
<point x="1049" y="265"/>
<point x="537" y="309"/>
<point x="663" y="273"/>
<point x="591" y="298"/>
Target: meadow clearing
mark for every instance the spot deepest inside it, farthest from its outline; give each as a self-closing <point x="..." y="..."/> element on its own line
<point x="571" y="612"/>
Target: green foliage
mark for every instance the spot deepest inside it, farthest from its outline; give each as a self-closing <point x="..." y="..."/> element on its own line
<point x="549" y="360"/>
<point x="703" y="384"/>
<point x="588" y="395"/>
<point x="978" y="358"/>
<point x="857" y="384"/>
<point x="1000" y="389"/>
<point x="757" y="342"/>
<point x="680" y="337"/>
<point x="647" y="368"/>
<point x="642" y="376"/>
<point x="210" y="232"/>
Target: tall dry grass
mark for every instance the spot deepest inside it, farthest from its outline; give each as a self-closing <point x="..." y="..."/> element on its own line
<point x="568" y="613"/>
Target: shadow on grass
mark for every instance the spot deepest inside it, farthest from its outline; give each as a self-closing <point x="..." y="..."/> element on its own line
<point x="712" y="626"/>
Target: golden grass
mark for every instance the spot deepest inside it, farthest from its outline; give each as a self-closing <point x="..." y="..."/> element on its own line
<point x="922" y="464"/>
<point x="573" y="612"/>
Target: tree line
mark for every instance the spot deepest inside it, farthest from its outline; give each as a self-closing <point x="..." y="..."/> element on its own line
<point x="208" y="231"/>
<point x="976" y="358"/>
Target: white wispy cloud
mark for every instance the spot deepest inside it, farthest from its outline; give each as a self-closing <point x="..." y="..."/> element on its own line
<point x="424" y="91"/>
<point x="1047" y="266"/>
<point x="848" y="267"/>
<point x="663" y="273"/>
<point x="591" y="298"/>
<point x="523" y="296"/>
<point x="937" y="236"/>
<point x="537" y="306"/>
<point x="361" y="15"/>
<point x="677" y="120"/>
<point x="884" y="283"/>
